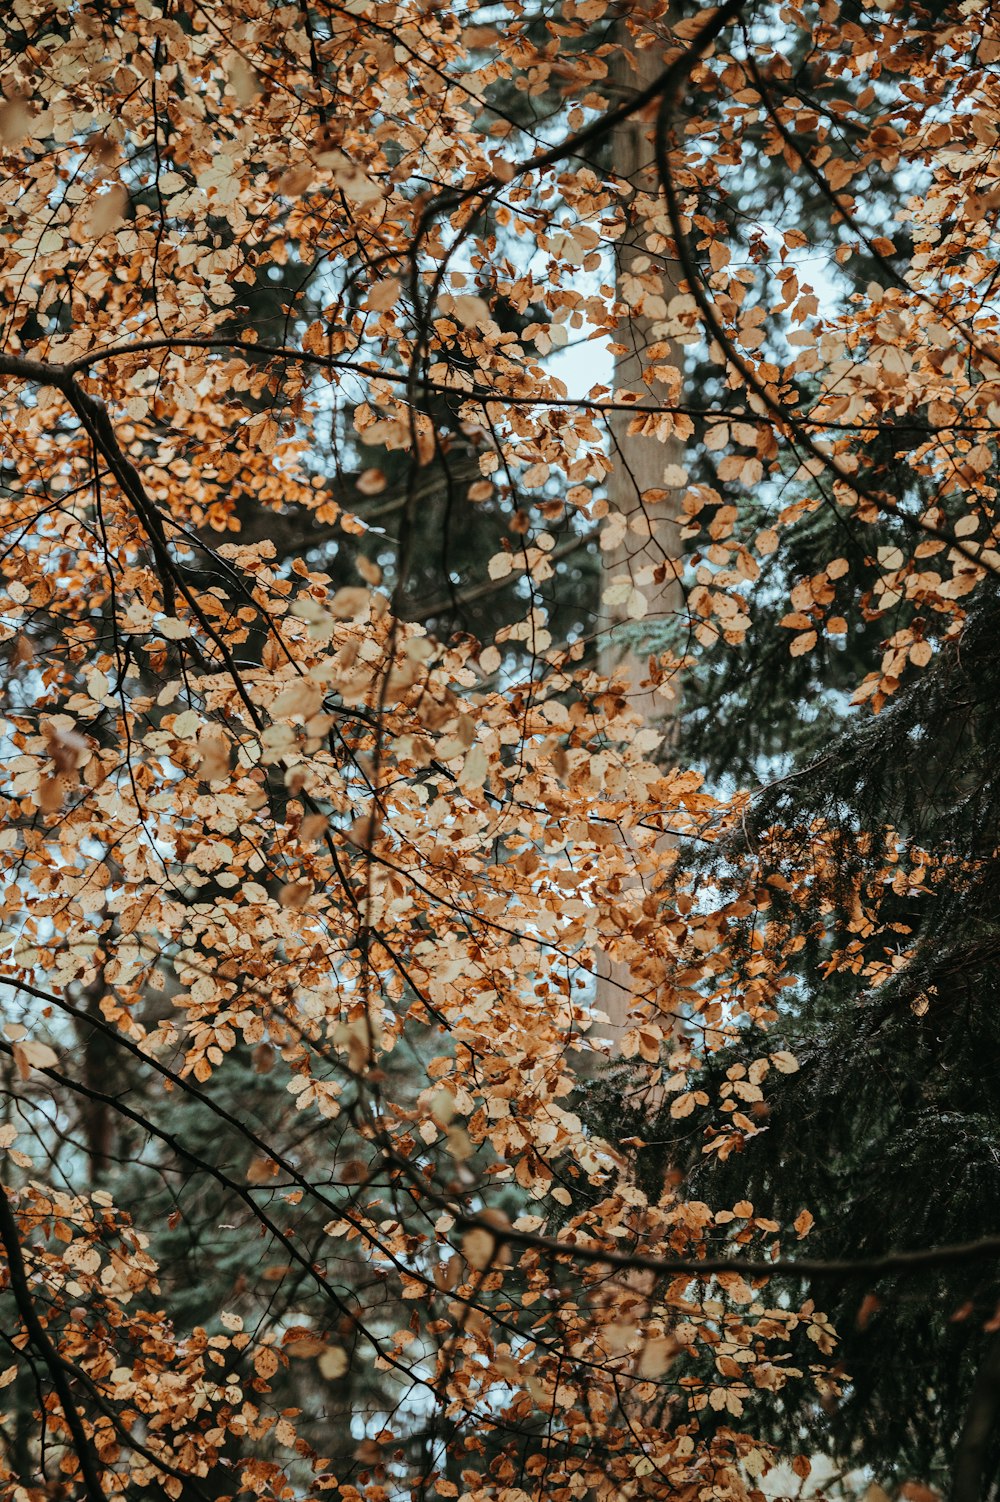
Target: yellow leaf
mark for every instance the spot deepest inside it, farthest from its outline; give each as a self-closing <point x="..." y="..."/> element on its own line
<point x="265" y="1362"/>
<point x="657" y="1355"/>
<point x="384" y="295"/>
<point x="474" y="768"/>
<point x="243" y="80"/>
<point x="371" y="482"/>
<point x="107" y="212"/>
<point x="472" y="312"/>
<point x="784" y="1062"/>
<point x="478" y="1248"/>
<point x="304" y="698"/>
<point x="31" y="1055"/>
<point x="351" y="179"/>
<point x="333" y="1363"/>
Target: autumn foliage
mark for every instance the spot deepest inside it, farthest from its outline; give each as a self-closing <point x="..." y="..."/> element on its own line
<point x="304" y="890"/>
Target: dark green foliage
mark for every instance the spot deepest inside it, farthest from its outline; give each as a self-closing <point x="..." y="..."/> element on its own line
<point x="890" y="1131"/>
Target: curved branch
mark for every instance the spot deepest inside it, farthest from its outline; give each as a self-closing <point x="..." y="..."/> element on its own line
<point x="780" y="413"/>
<point x="39" y="1338"/>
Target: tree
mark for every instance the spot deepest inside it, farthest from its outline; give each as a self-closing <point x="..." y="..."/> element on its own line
<point x="303" y="903"/>
<point x="886" y="1132"/>
<point x="642" y="564"/>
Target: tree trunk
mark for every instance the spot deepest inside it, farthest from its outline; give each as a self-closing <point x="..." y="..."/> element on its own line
<point x="972" y="1452"/>
<point x="644" y="486"/>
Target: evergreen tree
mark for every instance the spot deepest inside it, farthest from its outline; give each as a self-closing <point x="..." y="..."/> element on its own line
<point x="888" y="1133"/>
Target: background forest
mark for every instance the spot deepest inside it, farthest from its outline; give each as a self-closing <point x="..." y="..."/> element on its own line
<point x="501" y="642"/>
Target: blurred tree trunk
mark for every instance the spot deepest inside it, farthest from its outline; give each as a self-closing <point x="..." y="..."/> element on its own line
<point x="643" y="485"/>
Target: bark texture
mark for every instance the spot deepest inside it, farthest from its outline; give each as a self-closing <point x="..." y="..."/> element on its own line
<point x="643" y="486"/>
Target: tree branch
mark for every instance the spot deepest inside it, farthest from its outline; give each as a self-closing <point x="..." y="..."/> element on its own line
<point x="980" y="1424"/>
<point x="38" y="1336"/>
